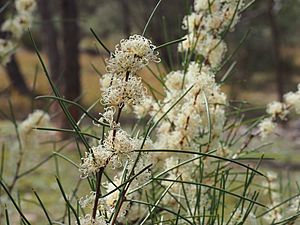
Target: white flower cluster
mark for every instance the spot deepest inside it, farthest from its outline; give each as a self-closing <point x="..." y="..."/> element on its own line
<point x="190" y="119"/>
<point x="197" y="119"/>
<point x="116" y="149"/>
<point x="142" y="110"/>
<point x="14" y="28"/>
<point x="128" y="91"/>
<point x="266" y="127"/>
<point x="88" y="220"/>
<point x="207" y="24"/>
<point x="279" y="110"/>
<point x="193" y="110"/>
<point x="107" y="204"/>
<point x="292" y="100"/>
<point x="121" y="86"/>
<point x="132" y="55"/>
<point x="26" y="130"/>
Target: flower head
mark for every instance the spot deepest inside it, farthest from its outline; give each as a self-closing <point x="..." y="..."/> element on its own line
<point x="13" y="27"/>
<point x="277" y="109"/>
<point x="108" y="116"/>
<point x="266" y="127"/>
<point x="25" y="6"/>
<point x="38" y="118"/>
<point x="130" y="91"/>
<point x="94" y="160"/>
<point x="132" y="55"/>
<point x="292" y="99"/>
<point x="119" y="142"/>
<point x="23" y="20"/>
<point x="88" y="220"/>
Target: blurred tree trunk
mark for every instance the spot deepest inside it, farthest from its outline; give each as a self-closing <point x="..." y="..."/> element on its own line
<point x="50" y="45"/>
<point x="50" y="40"/>
<point x="277" y="50"/>
<point x="71" y="67"/>
<point x="161" y="28"/>
<point x="16" y="77"/>
<point x="126" y="17"/>
<point x="12" y="68"/>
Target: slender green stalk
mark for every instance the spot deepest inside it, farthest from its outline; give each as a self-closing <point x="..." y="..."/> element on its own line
<point x="98" y="192"/>
<point x="150" y="18"/>
<point x="170" y="43"/>
<point x="14" y="203"/>
<point x="163" y="209"/>
<point x="100" y="42"/>
<point x="214" y="188"/>
<point x="203" y="154"/>
<point x="75" y="104"/>
<point x="6" y="216"/>
<point x="157" y="202"/>
<point x="43" y="207"/>
<point x="66" y="131"/>
<point x="67" y="201"/>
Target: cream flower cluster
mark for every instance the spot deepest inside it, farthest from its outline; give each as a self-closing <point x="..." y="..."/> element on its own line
<point x="292" y="100"/>
<point x="188" y="123"/>
<point x="279" y="110"/>
<point x="121" y="87"/>
<point x="26" y="130"/>
<point x="132" y="55"/>
<point x="116" y="149"/>
<point x="206" y="26"/>
<point x="128" y="91"/>
<point x="266" y="127"/>
<point x="197" y="119"/>
<point x="15" y="27"/>
<point x="107" y="204"/>
<point x="88" y="220"/>
<point x="194" y="106"/>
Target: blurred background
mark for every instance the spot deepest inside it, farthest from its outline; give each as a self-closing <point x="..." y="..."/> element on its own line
<point x="267" y="66"/>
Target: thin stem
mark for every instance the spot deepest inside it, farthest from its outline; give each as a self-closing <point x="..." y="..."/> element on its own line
<point x="150" y="18"/>
<point x="98" y="193"/>
<point x="101" y="43"/>
<point x="19" y="162"/>
<point x="99" y="174"/>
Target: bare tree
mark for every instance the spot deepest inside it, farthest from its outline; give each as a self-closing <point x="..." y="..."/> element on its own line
<point x="277" y="49"/>
<point x="50" y="45"/>
<point x="16" y="77"/>
<point x="126" y="17"/>
<point x="50" y="39"/>
<point x="71" y="67"/>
